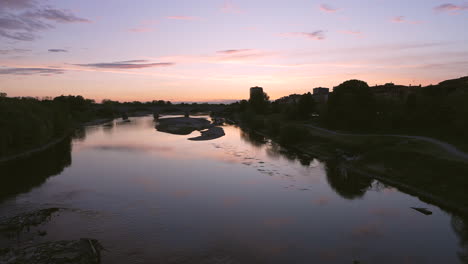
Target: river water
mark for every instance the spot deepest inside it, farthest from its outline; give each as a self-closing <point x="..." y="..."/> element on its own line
<point x="153" y="197"/>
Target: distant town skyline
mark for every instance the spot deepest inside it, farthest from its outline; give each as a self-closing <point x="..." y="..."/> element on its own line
<point x="215" y="50"/>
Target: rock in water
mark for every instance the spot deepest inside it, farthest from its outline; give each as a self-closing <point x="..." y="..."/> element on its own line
<point x="83" y="251"/>
<point x="422" y="210"/>
<point x="182" y="125"/>
<point x="25" y="221"/>
<point x="211" y="133"/>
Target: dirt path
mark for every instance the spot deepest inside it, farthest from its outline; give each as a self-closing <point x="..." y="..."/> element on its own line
<point x="444" y="145"/>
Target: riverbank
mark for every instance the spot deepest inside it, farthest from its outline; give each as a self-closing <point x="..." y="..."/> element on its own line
<point x="432" y="171"/>
<point x="53" y="142"/>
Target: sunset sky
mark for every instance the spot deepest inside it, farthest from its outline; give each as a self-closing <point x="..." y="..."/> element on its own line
<point x="214" y="50"/>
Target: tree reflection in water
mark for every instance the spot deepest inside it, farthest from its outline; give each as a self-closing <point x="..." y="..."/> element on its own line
<point x="22" y="175"/>
<point x="347" y="184"/>
<point x="460" y="227"/>
<point x="253" y="138"/>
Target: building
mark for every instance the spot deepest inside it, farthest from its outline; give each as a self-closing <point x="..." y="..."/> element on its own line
<point x="256" y="91"/>
<point x="320" y="94"/>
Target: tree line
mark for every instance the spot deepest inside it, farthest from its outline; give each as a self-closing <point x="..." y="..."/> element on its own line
<point x="436" y="110"/>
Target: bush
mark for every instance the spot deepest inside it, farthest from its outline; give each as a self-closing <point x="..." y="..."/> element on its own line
<point x="273" y="127"/>
<point x="291" y="134"/>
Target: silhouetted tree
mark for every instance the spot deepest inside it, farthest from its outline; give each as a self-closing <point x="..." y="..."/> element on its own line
<point x="306" y="105"/>
<point x="259" y="102"/>
<point x="351" y="106"/>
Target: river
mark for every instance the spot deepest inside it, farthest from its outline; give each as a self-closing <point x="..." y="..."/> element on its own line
<point x="153" y="197"/>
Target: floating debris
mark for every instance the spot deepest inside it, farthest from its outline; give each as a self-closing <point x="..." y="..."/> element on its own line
<point x="422" y="210"/>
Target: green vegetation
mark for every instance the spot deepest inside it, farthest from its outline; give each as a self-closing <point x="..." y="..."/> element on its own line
<point x="27" y="123"/>
<point x="437" y="111"/>
<point x="351" y="106"/>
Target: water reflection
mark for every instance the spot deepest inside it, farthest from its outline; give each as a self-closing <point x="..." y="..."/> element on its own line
<point x="252" y="138"/>
<point x="460" y="226"/>
<point x="22" y="175"/>
<point x="238" y="199"/>
<point x="347" y="184"/>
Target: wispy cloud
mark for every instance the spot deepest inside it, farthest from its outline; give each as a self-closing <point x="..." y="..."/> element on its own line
<point x="22" y="19"/>
<point x="13" y="51"/>
<point x="140" y="29"/>
<point x="30" y="71"/>
<point x="16" y="4"/>
<point x="229" y="7"/>
<point x="398" y="19"/>
<point x="58" y="50"/>
<point x="451" y="8"/>
<point x="240" y="56"/>
<point x="316" y="35"/>
<point x="144" y="26"/>
<point x="230" y="56"/>
<point x="351" y="32"/>
<point x="183" y="17"/>
<point x="57" y="15"/>
<point x="328" y="9"/>
<point x="131" y="64"/>
<point x="402" y="19"/>
<point x="234" y="51"/>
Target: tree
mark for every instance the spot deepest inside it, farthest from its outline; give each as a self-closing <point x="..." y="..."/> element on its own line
<point x="259" y="102"/>
<point x="3" y="95"/>
<point x="306" y="105"/>
<point x="351" y="106"/>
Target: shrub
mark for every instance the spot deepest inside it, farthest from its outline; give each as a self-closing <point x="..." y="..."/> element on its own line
<point x="291" y="134"/>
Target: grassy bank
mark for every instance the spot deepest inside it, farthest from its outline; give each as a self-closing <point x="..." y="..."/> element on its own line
<point x="28" y="124"/>
<point x="418" y="167"/>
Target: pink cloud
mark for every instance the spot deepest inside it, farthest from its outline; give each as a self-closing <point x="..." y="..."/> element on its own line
<point x="328" y="9"/>
<point x="182" y="17"/>
<point x="149" y="22"/>
<point x="451" y="8"/>
<point x="316" y="35"/>
<point x="30" y="71"/>
<point x="251" y="28"/>
<point x="228" y="7"/>
<point x="241" y="55"/>
<point x="352" y="32"/>
<point x="143" y="26"/>
<point x="233" y="51"/>
<point x="140" y="29"/>
<point x="229" y="56"/>
<point x="399" y="19"/>
<point x="402" y="19"/>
